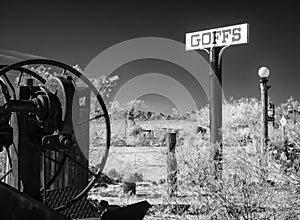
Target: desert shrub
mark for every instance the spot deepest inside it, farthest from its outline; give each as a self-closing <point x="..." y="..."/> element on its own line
<point x="138" y="176"/>
<point x="113" y="173"/>
<point x="240" y="193"/>
<point x="247" y="189"/>
<point x="135" y="131"/>
<point x="133" y="177"/>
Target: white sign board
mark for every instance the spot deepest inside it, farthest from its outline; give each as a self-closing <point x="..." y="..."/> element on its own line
<point x="231" y="35"/>
<point x="283" y="121"/>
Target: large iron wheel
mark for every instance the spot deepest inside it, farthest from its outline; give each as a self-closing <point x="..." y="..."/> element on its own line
<point x="22" y="71"/>
<point x="22" y="67"/>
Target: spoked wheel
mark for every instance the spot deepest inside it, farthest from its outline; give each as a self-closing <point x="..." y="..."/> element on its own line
<point x="61" y="89"/>
<point x="23" y="72"/>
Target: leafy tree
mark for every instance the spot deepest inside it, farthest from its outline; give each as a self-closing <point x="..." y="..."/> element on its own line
<point x="104" y="84"/>
<point x="116" y="111"/>
<point x="175" y="115"/>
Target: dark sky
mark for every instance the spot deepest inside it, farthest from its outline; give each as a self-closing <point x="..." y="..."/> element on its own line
<point x="76" y="32"/>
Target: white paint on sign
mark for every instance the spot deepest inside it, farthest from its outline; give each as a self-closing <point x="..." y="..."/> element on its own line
<point x="231" y="35"/>
<point x="283" y="121"/>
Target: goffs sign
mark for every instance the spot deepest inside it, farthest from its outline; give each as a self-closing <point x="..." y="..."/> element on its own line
<point x="231" y="35"/>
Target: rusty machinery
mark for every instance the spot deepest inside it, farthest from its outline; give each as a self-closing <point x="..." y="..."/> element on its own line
<point x="41" y="124"/>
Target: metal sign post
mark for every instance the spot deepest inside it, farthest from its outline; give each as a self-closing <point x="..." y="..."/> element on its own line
<point x="216" y="40"/>
<point x="215" y="106"/>
<point x="265" y="130"/>
<point x="283" y="122"/>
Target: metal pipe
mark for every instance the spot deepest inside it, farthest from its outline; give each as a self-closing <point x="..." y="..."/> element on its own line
<point x="19" y="106"/>
<point x="264" y="138"/>
<point x="215" y="104"/>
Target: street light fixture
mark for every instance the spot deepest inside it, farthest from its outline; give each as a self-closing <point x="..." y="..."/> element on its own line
<point x="263" y="73"/>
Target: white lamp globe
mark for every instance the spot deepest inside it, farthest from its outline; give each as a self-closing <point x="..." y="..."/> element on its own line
<point x="263" y="72"/>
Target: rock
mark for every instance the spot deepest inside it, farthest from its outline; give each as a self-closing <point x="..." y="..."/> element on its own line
<point x="138" y="177"/>
<point x="114" y="174"/>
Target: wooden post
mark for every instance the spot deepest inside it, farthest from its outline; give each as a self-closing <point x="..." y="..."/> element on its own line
<point x="171" y="165"/>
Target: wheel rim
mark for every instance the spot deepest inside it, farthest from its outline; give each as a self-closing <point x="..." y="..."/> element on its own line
<point x="105" y="115"/>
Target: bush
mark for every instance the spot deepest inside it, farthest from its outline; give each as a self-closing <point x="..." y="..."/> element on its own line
<point x="113" y="173"/>
<point x="138" y="177"/>
<point x="135" y="131"/>
<point x="248" y="189"/>
<point x="240" y="193"/>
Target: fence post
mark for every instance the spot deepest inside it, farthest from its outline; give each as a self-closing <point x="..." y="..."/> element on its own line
<point x="171" y="164"/>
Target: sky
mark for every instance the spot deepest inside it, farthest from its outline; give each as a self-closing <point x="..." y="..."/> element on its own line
<point x="75" y="33"/>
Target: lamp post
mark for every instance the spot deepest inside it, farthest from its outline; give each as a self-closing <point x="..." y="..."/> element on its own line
<point x="263" y="73"/>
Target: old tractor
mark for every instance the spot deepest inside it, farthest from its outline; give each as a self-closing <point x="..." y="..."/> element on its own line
<point x="44" y="131"/>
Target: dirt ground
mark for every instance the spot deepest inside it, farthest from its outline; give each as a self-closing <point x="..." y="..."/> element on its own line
<point x="150" y="161"/>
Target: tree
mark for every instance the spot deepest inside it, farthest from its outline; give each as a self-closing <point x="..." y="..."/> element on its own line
<point x="104" y="84"/>
<point x="132" y="106"/>
<point x="116" y="111"/>
<point x="175" y="115"/>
